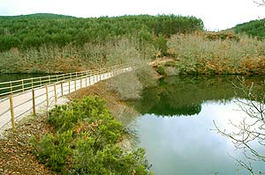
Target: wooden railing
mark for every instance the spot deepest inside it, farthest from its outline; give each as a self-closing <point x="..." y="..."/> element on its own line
<point x="24" y="97"/>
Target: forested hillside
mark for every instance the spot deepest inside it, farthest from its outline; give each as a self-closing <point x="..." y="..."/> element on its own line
<point x="45" y="43"/>
<point x="255" y="28"/>
<point x="34" y="30"/>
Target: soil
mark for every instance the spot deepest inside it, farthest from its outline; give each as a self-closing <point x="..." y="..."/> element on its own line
<point x="15" y="149"/>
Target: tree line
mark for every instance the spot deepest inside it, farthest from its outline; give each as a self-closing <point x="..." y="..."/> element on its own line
<point x="29" y="31"/>
<point x="253" y="28"/>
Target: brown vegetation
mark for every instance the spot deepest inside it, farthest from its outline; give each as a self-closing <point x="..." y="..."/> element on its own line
<point x="212" y="54"/>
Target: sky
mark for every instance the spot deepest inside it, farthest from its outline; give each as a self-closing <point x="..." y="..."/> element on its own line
<point x="216" y="14"/>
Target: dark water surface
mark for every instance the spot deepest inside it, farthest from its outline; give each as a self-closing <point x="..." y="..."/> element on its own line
<point x="17" y="86"/>
<point x="12" y="77"/>
<point x="176" y="127"/>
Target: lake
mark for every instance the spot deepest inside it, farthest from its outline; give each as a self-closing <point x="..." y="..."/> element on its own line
<point x="17" y="86"/>
<point x="12" y="77"/>
<point x="175" y="125"/>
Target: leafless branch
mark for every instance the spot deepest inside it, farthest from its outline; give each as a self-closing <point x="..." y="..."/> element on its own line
<point x="245" y="165"/>
<point x="251" y="129"/>
<point x="260" y="3"/>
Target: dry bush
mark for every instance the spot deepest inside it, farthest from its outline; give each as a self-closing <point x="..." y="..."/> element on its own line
<point x="53" y="58"/>
<point x="127" y="86"/>
<point x="11" y="61"/>
<point x="195" y="53"/>
<point x="123" y="51"/>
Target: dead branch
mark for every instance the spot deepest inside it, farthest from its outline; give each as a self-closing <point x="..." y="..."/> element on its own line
<point x="252" y="127"/>
<point x="260" y="3"/>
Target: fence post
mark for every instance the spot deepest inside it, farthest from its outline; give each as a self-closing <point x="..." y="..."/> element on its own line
<point x="70" y="82"/>
<point x="55" y="94"/>
<point x="62" y="88"/>
<point x="86" y="80"/>
<point x="89" y="80"/>
<point x="33" y="102"/>
<point x="114" y="72"/>
<point x="92" y="78"/>
<point x="47" y="95"/>
<point x="75" y="84"/>
<point x="11" y="88"/>
<point x="69" y="89"/>
<point x="100" y="74"/>
<point x="22" y="84"/>
<point x="12" y="111"/>
<point x="103" y="74"/>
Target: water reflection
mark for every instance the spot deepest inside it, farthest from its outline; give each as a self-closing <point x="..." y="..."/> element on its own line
<point x="184" y="95"/>
<point x="184" y="140"/>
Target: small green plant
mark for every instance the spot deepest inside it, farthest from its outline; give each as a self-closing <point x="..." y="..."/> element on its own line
<point x="110" y="160"/>
<point x="53" y="150"/>
<point x="161" y="44"/>
<point x="160" y="70"/>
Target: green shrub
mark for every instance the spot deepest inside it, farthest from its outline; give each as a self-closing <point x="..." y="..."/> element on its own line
<point x="65" y="117"/>
<point x="53" y="150"/>
<point x="110" y="160"/>
<point x="160" y="70"/>
<point x="161" y="44"/>
<point x="85" y="141"/>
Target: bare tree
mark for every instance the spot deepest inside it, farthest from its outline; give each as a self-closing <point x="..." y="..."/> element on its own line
<point x="260" y="3"/>
<point x="249" y="134"/>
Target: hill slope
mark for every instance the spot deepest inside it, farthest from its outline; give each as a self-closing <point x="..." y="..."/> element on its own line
<point x="255" y="28"/>
<point x="38" y="15"/>
<point x="34" y="30"/>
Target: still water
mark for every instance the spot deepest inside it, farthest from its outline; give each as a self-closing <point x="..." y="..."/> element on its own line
<point x="176" y="126"/>
<point x="12" y="77"/>
<point x="17" y="86"/>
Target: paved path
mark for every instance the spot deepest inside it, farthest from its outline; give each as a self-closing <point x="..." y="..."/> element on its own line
<point x="23" y="103"/>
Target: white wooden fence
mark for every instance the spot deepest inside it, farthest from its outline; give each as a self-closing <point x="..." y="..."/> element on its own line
<point x="27" y="96"/>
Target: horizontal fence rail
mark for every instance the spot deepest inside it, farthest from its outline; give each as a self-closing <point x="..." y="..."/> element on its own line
<point x="26" y="96"/>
